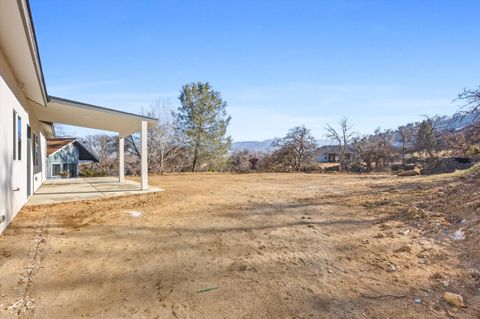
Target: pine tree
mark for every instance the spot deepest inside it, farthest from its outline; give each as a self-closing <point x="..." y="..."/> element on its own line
<point x="426" y="140"/>
<point x="202" y="119"/>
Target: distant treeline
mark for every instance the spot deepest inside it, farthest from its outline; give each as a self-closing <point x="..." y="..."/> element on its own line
<point x="193" y="138"/>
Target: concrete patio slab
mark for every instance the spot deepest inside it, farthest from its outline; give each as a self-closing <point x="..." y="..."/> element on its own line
<point x="74" y="189"/>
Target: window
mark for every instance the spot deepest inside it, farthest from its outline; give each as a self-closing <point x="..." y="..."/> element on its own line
<point x="36" y="149"/>
<point x="14" y="135"/>
<point x="56" y="169"/>
<point x="19" y="137"/>
<point x="70" y="168"/>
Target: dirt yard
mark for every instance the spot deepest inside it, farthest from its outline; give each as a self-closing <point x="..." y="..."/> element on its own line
<point x="251" y="246"/>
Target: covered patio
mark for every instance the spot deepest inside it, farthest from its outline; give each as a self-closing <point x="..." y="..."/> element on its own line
<point x="73" y="189"/>
<point x="63" y="111"/>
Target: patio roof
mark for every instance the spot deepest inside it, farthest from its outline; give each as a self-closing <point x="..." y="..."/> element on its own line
<point x="20" y="51"/>
<point x="64" y="111"/>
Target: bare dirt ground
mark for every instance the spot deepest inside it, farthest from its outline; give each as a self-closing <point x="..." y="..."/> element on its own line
<point x="251" y="246"/>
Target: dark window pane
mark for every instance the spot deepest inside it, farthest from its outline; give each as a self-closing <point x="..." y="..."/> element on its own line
<point x="36" y="151"/>
<point x="19" y="137"/>
<point x="14" y="135"/>
<point x="55" y="169"/>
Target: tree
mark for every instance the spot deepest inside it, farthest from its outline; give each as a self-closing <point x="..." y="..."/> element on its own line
<point x="375" y="151"/>
<point x="105" y="148"/>
<point x="471" y="99"/>
<point x="254" y="162"/>
<point x="457" y="143"/>
<point x="296" y="149"/>
<point x="164" y="144"/>
<point x="240" y="161"/>
<point x="202" y="119"/>
<point x="426" y="140"/>
<point x="364" y="151"/>
<point x="471" y="108"/>
<point x="343" y="137"/>
<point x="406" y="135"/>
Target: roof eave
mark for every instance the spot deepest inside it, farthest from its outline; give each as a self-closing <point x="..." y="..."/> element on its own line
<point x="29" y="28"/>
<point x="52" y="98"/>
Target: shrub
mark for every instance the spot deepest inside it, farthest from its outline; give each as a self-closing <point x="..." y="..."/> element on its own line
<point x="65" y="174"/>
<point x="92" y="173"/>
<point x="473" y="150"/>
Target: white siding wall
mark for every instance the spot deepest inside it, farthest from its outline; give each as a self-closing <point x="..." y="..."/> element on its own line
<point x="13" y="173"/>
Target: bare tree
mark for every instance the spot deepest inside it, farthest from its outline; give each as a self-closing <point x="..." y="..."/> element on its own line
<point x="296" y="149"/>
<point x="457" y="143"/>
<point x="364" y="152"/>
<point x="59" y="130"/>
<point x="240" y="161"/>
<point x="383" y="148"/>
<point x="105" y="148"/>
<point x="470" y="108"/>
<point x="471" y="99"/>
<point x="472" y="133"/>
<point x="374" y="151"/>
<point x="342" y="137"/>
<point x="164" y="142"/>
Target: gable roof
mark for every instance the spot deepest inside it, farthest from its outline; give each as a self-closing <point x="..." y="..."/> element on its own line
<point x="56" y="144"/>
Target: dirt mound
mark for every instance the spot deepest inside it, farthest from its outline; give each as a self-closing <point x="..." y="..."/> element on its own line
<point x="449" y="213"/>
<point x="447" y="165"/>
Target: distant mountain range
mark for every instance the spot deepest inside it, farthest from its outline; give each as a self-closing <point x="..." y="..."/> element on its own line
<point x="262" y="146"/>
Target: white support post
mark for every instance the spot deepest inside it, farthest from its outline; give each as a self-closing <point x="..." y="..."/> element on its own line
<point x="144" y="155"/>
<point x="121" y="159"/>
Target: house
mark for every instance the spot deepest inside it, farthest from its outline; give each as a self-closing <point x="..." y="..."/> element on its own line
<point x="28" y="112"/>
<point x="331" y="154"/>
<point x="64" y="156"/>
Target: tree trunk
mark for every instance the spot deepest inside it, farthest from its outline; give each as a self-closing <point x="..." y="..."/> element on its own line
<point x="161" y="160"/>
<point x="195" y="159"/>
<point x="194" y="166"/>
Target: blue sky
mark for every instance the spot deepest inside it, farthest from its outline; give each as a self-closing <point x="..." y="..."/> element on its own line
<point x="277" y="63"/>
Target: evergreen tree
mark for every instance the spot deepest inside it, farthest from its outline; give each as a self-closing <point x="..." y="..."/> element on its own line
<point x="202" y="119"/>
<point x="426" y="140"/>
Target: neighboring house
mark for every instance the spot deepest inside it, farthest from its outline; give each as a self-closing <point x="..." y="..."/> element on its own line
<point x="331" y="154"/>
<point x="27" y="114"/>
<point x="64" y="156"/>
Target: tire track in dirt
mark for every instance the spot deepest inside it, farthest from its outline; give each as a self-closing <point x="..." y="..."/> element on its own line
<point x="24" y="305"/>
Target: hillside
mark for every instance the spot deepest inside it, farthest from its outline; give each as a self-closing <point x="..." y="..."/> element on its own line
<point x="444" y="123"/>
<point x="263" y="146"/>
